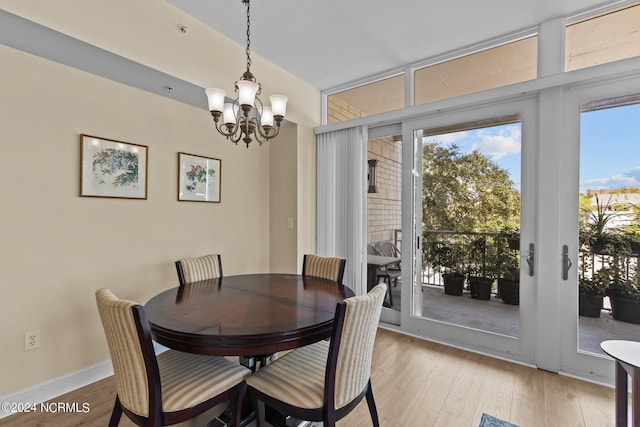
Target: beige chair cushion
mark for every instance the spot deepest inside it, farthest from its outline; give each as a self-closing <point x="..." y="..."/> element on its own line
<point x="298" y="377"/>
<point x="325" y="267"/>
<point x="189" y="379"/>
<point x="201" y="268"/>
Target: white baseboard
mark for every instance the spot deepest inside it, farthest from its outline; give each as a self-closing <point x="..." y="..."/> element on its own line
<point x="58" y="386"/>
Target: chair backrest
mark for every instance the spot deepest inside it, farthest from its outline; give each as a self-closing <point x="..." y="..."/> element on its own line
<point x="371" y="250"/>
<point x="331" y="268"/>
<point x="131" y="349"/>
<point x="201" y="268"/>
<point x="351" y="349"/>
<point x="388" y="249"/>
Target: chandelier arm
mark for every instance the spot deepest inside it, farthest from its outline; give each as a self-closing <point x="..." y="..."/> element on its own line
<point x="272" y="133"/>
<point x="232" y="135"/>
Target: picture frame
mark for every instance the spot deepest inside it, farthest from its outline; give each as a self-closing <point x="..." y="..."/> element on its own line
<point x="199" y="178"/>
<point x="112" y="169"/>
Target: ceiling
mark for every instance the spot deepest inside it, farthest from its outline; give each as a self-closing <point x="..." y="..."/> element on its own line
<point x="329" y="43"/>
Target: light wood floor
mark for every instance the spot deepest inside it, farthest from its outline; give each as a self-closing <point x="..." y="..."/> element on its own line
<point x="422" y="384"/>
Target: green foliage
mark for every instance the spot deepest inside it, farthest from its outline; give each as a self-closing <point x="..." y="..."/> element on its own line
<point x="596" y="285"/>
<point x="596" y="221"/>
<point x="122" y="165"/>
<point x="198" y="174"/>
<point x="633" y="228"/>
<point x="466" y="191"/>
<point x="448" y="257"/>
<point x="627" y="289"/>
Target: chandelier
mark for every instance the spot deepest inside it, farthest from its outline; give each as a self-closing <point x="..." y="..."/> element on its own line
<point x="246" y="115"/>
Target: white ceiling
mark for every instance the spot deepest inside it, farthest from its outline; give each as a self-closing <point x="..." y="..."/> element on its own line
<point x="331" y="42"/>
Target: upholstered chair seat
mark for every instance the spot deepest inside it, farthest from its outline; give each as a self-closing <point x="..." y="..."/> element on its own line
<point x="326" y="380"/>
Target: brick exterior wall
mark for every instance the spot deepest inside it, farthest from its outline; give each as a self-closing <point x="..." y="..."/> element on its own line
<point x="339" y="111"/>
<point x="384" y="208"/>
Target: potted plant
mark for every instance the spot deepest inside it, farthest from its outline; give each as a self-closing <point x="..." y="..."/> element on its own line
<point x="509" y="280"/>
<point x="592" y="287"/>
<point x="625" y="302"/>
<point x="507" y="264"/>
<point x="481" y="266"/>
<point x="447" y="258"/>
<point x="591" y="292"/>
<point x="600" y="236"/>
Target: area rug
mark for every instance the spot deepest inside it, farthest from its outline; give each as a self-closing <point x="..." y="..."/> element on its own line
<point x="489" y="421"/>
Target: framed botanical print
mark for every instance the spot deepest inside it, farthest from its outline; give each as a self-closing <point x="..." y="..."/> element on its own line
<point x="198" y="178"/>
<point x="111" y="168"/>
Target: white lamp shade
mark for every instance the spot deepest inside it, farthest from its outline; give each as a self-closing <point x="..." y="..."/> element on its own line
<point x="278" y="104"/>
<point x="267" y="117"/>
<point x="247" y="92"/>
<point x="228" y="115"/>
<point x="215" y="97"/>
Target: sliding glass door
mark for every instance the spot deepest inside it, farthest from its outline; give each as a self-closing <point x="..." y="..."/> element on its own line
<point x="600" y="194"/>
<point x="470" y="283"/>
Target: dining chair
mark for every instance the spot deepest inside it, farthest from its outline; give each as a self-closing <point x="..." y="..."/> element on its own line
<point x="331" y="268"/>
<point x="165" y="389"/>
<point x="393" y="272"/>
<point x="325" y="381"/>
<point x="201" y="268"/>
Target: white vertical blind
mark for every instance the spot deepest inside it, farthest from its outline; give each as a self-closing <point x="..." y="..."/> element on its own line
<point x="341" y="203"/>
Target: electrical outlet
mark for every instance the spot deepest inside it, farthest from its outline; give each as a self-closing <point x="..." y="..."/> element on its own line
<point x="31" y="340"/>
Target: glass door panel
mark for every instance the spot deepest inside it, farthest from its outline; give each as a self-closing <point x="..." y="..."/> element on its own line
<point x="471" y="224"/>
<point x="468" y="208"/>
<point x="599" y="224"/>
<point x="609" y="222"/>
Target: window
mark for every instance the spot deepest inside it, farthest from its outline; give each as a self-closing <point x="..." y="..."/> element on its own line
<point x="500" y="66"/>
<point x="604" y="38"/>
<point x="377" y="97"/>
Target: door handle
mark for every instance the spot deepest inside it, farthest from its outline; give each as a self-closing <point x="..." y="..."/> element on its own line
<point x="531" y="259"/>
<point x="566" y="262"/>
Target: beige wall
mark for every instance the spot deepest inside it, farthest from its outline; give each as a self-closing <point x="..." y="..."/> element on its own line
<point x="57" y="248"/>
<point x="283" y="190"/>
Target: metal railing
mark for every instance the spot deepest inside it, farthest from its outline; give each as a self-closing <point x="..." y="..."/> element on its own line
<point x="487" y="254"/>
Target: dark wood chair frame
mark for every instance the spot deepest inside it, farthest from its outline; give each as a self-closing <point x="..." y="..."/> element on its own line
<point x="343" y="263"/>
<point x="328" y="413"/>
<point x="158" y="417"/>
<point x="180" y="271"/>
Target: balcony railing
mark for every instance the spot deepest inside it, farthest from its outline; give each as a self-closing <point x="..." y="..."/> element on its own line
<point x="487" y="254"/>
<point x="497" y="254"/>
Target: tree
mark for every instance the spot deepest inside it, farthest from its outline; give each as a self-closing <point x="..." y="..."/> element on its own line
<point x="466" y="191"/>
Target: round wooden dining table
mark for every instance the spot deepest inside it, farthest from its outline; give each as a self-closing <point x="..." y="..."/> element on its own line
<point x="247" y="315"/>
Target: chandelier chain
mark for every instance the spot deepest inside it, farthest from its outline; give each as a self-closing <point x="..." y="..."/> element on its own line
<point x="248" y="34"/>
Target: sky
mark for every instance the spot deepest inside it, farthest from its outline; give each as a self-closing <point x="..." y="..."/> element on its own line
<point x="609" y="147"/>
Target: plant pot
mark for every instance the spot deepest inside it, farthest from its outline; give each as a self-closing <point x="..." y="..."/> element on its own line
<point x="590" y="305"/>
<point x="625" y="309"/>
<point x="453" y="284"/>
<point x="509" y="291"/>
<point x="480" y="287"/>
